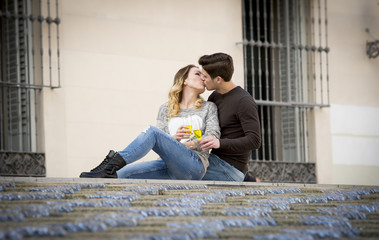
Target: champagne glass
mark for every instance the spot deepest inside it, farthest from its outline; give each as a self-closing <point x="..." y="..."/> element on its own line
<point x="189" y="127"/>
<point x="197" y="134"/>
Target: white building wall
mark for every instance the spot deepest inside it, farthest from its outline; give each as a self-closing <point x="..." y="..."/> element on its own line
<point x="118" y="60"/>
<point x="354" y="92"/>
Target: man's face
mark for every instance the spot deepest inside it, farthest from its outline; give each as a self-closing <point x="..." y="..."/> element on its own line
<point x="210" y="83"/>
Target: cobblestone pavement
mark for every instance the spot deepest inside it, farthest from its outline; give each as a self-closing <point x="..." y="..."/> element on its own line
<point x="32" y="208"/>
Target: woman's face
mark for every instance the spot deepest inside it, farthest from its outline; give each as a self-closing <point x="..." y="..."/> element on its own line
<point x="194" y="80"/>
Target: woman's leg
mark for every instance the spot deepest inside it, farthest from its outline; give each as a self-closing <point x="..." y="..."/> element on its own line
<point x="219" y="170"/>
<point x="156" y="169"/>
<point x="181" y="162"/>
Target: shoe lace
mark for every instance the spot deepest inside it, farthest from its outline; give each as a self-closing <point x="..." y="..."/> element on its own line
<point x="101" y="165"/>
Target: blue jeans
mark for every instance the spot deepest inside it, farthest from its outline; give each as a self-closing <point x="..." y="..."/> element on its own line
<point x="219" y="170"/>
<point x="178" y="162"/>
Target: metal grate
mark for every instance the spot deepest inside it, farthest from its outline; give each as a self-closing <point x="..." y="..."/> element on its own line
<point x="27" y="28"/>
<point x="286" y="71"/>
<point x="30" y="38"/>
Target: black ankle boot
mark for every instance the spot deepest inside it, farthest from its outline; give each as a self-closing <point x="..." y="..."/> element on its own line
<point x="107" y="168"/>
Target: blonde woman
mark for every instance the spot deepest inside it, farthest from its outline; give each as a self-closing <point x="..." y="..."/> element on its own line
<point x="172" y="138"/>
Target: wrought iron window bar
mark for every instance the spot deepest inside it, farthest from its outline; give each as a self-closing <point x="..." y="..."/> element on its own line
<point x="30" y="61"/>
<point x="42" y="20"/>
<point x="286" y="50"/>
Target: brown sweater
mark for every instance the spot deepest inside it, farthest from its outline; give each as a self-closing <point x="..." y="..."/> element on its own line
<point x="240" y="128"/>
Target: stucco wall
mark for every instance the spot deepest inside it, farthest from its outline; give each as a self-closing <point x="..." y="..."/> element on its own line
<point x="118" y="60"/>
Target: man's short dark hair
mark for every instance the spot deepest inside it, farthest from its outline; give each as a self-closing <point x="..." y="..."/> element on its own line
<point x="218" y="64"/>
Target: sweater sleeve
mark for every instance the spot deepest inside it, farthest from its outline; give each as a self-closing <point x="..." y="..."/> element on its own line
<point x="162" y="118"/>
<point x="212" y="127"/>
<point x="248" y="115"/>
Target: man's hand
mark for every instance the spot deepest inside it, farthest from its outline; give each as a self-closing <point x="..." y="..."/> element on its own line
<point x="209" y="142"/>
<point x="182" y="133"/>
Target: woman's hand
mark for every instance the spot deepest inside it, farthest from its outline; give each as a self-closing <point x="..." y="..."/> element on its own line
<point x="183" y="132"/>
<point x="209" y="142"/>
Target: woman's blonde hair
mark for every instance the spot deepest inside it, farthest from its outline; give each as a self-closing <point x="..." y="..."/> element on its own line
<point x="176" y="92"/>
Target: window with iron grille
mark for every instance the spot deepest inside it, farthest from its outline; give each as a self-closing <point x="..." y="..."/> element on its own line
<point x="29" y="37"/>
<point x="286" y="71"/>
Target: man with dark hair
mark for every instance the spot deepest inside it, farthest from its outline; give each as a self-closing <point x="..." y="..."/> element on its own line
<point x="238" y="118"/>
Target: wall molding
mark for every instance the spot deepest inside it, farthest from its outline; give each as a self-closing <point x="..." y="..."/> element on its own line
<point x="283" y="172"/>
<point x="22" y="164"/>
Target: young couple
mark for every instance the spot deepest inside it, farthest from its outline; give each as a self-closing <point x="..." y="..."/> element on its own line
<point x="228" y="122"/>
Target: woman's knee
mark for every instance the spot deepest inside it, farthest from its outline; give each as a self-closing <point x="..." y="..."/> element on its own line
<point x="149" y="128"/>
<point x="152" y="130"/>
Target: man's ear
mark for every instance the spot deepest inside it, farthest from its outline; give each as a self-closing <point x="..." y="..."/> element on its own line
<point x="219" y="79"/>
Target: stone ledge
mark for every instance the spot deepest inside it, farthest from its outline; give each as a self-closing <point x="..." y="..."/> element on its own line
<point x="188" y="182"/>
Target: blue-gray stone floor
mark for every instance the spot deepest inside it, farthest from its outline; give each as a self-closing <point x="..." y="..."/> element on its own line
<point x="56" y="208"/>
